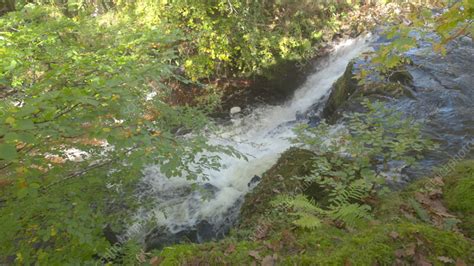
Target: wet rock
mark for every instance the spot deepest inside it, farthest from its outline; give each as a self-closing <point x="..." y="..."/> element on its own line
<point x="254" y="181"/>
<point x="435" y="90"/>
<point x="344" y="87"/>
<point x="300" y="115"/>
<point x="401" y="76"/>
<point x="210" y="188"/>
<point x="205" y="231"/>
<point x="294" y="162"/>
<point x="161" y="237"/>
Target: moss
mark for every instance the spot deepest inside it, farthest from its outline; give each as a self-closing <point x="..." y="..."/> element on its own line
<point x="223" y="252"/>
<point x="372" y="244"/>
<point x="401" y="76"/>
<point x="459" y="194"/>
<point x="279" y="179"/>
<point x="344" y="87"/>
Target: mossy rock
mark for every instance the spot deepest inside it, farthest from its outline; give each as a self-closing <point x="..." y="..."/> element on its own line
<point x="281" y="178"/>
<point x="380" y="244"/>
<point x="378" y="90"/>
<point x="346" y="94"/>
<point x="285" y="177"/>
<point x="401" y="76"/>
<point x="344" y="87"/>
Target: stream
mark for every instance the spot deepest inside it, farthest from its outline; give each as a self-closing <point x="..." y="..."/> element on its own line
<point x="438" y="93"/>
<point x="208" y="213"/>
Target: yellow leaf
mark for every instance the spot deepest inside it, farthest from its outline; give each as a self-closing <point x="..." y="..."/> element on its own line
<point x="21" y="170"/>
<point x="53" y="231"/>
<point x="19" y="257"/>
<point x="23" y="184"/>
<point x="10" y="120"/>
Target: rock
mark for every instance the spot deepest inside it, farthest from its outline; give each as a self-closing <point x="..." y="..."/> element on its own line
<point x="110" y="235"/>
<point x="161" y="237"/>
<point x="300" y="116"/>
<point x="344" y="87"/>
<point x="205" y="231"/>
<point x="254" y="181"/>
<point x="208" y="187"/>
<point x="293" y="162"/>
<point x="235" y="110"/>
<point x="401" y="76"/>
<point x="435" y="90"/>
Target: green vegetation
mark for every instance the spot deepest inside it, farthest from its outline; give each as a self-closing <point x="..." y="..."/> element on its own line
<point x="395" y="234"/>
<point x="80" y="84"/>
<point x="76" y="76"/>
<point x="458" y="194"/>
<point x="345" y="164"/>
<point x="88" y="94"/>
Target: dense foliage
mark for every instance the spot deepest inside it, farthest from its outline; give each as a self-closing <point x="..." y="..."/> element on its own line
<point x="77" y="96"/>
<point x="85" y="87"/>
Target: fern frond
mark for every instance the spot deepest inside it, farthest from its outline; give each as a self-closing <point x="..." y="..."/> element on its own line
<point x="304" y="204"/>
<point x="356" y="190"/>
<point x="283" y="200"/>
<point x="351" y="214"/>
<point x="307" y="221"/>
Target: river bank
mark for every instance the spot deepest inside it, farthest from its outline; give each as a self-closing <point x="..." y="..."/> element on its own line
<point x="420" y="223"/>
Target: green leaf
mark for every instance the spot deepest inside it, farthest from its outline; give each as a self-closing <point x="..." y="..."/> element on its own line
<point x="8" y="152"/>
<point x="25" y="125"/>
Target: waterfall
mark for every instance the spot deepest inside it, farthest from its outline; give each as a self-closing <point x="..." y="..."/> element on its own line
<point x="262" y="136"/>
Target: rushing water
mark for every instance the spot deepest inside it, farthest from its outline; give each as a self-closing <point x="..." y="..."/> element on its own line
<point x="262" y="136"/>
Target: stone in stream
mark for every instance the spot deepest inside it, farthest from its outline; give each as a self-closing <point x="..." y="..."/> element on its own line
<point x="235" y="110"/>
<point x="254" y="181"/>
<point x="161" y="236"/>
<point x="205" y="231"/>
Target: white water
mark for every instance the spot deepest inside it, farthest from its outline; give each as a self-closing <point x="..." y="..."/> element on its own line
<point x="262" y="136"/>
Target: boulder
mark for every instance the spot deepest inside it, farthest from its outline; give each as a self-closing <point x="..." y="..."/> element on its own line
<point x="254" y="181"/>
<point x="344" y="87"/>
<point x="161" y="237"/>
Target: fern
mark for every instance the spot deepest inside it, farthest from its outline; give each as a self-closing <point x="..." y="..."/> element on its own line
<point x="310" y="214"/>
<point x="355" y="191"/>
<point x="298" y="203"/>
<point x="307" y="221"/>
<point x="351" y="214"/>
<point x="420" y="212"/>
<point x="351" y="161"/>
